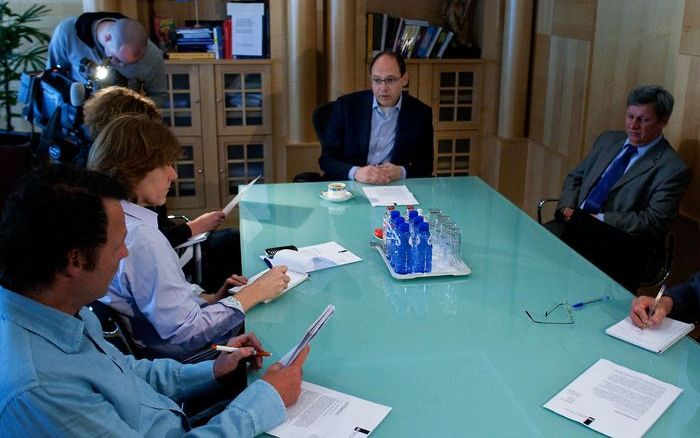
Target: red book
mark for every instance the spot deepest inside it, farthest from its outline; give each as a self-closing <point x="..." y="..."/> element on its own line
<point x="228" y="44"/>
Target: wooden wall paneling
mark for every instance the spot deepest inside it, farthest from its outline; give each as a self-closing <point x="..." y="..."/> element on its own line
<point x="689" y="145"/>
<point x="690" y="37"/>
<point x="628" y="51"/>
<point x="574" y="19"/>
<point x="546" y="170"/>
<point x="567" y="79"/>
<point x="543" y="16"/>
<point x="538" y="87"/>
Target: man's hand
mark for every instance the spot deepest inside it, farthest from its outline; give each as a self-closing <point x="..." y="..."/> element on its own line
<point x="287" y="381"/>
<point x="566" y="213"/>
<point x="393" y="171"/>
<point x="232" y="281"/>
<point x="206" y="222"/>
<point x="372" y="175"/>
<point x="225" y="363"/>
<point x="639" y="313"/>
<point x="268" y="286"/>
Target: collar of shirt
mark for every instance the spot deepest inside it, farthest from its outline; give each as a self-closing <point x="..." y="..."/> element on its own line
<point x="150" y="217"/>
<point x="376" y="107"/>
<point x="642" y="149"/>
<point x="59" y="328"/>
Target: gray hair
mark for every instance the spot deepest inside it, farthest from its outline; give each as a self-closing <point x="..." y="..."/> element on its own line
<point x="654" y="94"/>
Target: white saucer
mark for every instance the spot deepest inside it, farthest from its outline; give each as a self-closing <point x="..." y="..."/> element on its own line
<point x="348" y="195"/>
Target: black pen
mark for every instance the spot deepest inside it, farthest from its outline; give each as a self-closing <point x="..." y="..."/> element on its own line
<point x="267" y="262"/>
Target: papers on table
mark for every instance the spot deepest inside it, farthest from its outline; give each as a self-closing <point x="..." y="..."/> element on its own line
<point x="322" y="412"/>
<point x="656" y="339"/>
<point x="314" y="257"/>
<point x="236" y="199"/>
<point x="294" y="279"/>
<point x="614" y="400"/>
<point x="308" y="336"/>
<point x="389" y="195"/>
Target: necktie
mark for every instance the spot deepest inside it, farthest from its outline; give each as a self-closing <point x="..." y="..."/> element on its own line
<point x="599" y="193"/>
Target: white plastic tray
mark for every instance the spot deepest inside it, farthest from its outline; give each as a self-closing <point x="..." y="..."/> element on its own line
<point x="462" y="270"/>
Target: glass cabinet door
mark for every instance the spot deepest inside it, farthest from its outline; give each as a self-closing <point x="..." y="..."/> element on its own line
<point x="241" y="160"/>
<point x="456" y="96"/>
<point x="454" y="152"/>
<point x="182" y="109"/>
<point x="187" y="191"/>
<point x="243" y="99"/>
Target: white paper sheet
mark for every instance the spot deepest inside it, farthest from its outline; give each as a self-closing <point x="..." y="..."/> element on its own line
<point x="657" y="338"/>
<point x="236" y="199"/>
<point x="314" y="257"/>
<point x="246" y="28"/>
<point x="379" y="196"/>
<point x="322" y="412"/>
<point x="308" y="336"/>
<point x="614" y="400"/>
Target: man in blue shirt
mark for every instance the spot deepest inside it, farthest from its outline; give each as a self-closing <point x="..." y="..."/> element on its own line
<point x="58" y="376"/>
<point x="380" y="135"/>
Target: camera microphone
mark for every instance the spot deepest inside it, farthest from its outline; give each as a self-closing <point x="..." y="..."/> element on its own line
<point x="77" y="94"/>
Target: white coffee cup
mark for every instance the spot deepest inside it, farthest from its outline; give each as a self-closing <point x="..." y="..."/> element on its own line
<point x="336" y="190"/>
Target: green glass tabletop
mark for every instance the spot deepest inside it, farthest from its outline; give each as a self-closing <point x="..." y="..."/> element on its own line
<point x="453" y="356"/>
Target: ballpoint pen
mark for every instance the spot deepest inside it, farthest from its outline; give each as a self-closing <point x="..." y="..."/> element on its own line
<point x="267" y="262"/>
<point x="652" y="309"/>
<point x="227" y="349"/>
<point x="585" y="303"/>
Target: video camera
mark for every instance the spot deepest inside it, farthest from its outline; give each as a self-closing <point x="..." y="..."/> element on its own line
<point x="54" y="103"/>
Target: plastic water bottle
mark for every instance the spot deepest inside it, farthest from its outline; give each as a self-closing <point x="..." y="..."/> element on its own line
<point x="387" y="231"/>
<point x="385" y="224"/>
<point x="423" y="249"/>
<point x="394" y="236"/>
<point x="410" y="215"/>
<point x="402" y="264"/>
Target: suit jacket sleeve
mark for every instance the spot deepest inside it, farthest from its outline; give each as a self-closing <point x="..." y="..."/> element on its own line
<point x="332" y="160"/>
<point x="686" y="300"/>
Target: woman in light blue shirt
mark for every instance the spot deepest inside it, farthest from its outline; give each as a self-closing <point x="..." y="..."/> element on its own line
<point x="167" y="315"/>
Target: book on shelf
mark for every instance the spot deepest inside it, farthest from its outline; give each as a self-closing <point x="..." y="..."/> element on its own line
<point x="191" y="55"/>
<point x="445" y="43"/>
<point x="656" y="339"/>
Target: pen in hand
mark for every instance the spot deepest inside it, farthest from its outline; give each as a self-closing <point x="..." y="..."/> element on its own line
<point x="652" y="309"/>
<point x="227" y="349"/>
<point x="585" y="303"/>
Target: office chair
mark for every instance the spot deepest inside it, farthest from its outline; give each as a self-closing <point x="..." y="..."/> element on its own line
<point x="112" y="328"/>
<point x="660" y="260"/>
<point x="319" y="119"/>
<point x="190" y="249"/>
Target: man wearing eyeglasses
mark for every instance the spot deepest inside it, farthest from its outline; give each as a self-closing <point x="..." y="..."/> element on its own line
<point x="96" y="36"/>
<point x="380" y="135"/>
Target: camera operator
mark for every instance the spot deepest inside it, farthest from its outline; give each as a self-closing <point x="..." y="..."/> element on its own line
<point x="100" y="36"/>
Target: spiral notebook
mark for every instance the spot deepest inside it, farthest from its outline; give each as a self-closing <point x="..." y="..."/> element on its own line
<point x="657" y="338"/>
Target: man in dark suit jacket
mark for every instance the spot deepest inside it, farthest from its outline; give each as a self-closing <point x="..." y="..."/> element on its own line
<point x="380" y="135"/>
<point x="616" y="231"/>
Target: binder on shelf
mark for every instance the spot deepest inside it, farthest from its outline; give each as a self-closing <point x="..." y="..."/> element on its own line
<point x="445" y="43"/>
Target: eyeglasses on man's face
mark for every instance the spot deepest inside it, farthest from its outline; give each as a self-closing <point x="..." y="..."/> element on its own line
<point x="389" y="80"/>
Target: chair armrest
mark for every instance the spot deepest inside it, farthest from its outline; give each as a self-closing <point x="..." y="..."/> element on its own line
<point x="541" y="204"/>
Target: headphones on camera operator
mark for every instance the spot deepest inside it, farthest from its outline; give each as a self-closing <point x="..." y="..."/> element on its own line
<point x="54" y="102"/>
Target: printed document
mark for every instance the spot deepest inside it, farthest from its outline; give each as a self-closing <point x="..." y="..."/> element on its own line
<point x="308" y="336"/>
<point x="322" y="412"/>
<point x="380" y="196"/>
<point x="236" y="199"/>
<point x="614" y="400"/>
<point x="657" y="338"/>
<point x="246" y="28"/>
<point x="314" y="257"/>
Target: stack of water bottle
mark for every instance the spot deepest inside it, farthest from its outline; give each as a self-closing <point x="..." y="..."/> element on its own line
<point x="409" y="246"/>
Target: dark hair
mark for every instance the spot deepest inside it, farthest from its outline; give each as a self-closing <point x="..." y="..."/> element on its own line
<point x="391" y="54"/>
<point x="654" y="94"/>
<point x="55" y="209"/>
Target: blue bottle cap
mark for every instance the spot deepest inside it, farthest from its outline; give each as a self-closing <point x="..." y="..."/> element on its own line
<point x="403" y="227"/>
<point x="423" y="226"/>
<point x="412" y="213"/>
<point x="395" y="214"/>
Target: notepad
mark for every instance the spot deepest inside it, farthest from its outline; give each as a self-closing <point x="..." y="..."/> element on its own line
<point x="657" y="338"/>
<point x="294" y="279"/>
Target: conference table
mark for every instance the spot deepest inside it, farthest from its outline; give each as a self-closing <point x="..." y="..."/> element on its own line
<point x="452" y="356"/>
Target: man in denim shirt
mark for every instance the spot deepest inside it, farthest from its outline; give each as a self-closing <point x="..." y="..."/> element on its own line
<point x="58" y="376"/>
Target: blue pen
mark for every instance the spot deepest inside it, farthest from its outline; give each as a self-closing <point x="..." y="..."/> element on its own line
<point x="585" y="303"/>
<point x="267" y="262"/>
